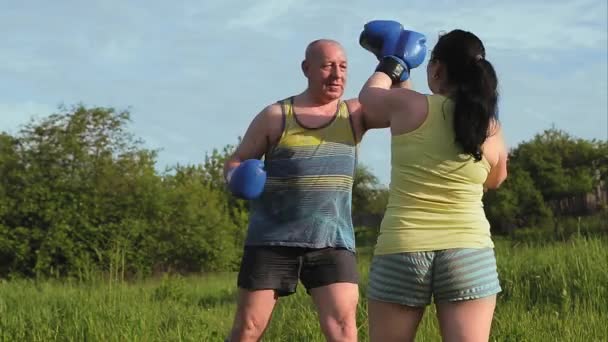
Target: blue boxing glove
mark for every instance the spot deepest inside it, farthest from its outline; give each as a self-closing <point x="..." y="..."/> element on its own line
<point x="407" y="53"/>
<point x="395" y="68"/>
<point x="388" y="38"/>
<point x="411" y="48"/>
<point x="247" y="180"/>
<point x="380" y="37"/>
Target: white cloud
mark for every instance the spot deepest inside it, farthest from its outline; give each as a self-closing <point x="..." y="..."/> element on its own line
<point x="538" y="26"/>
<point x="196" y="71"/>
<point x="514" y="25"/>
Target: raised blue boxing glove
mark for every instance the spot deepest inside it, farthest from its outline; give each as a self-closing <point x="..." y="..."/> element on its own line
<point x="395" y="68"/>
<point x="411" y="48"/>
<point x="388" y="38"/>
<point x="380" y="37"/>
<point x="407" y="53"/>
<point x="247" y="180"/>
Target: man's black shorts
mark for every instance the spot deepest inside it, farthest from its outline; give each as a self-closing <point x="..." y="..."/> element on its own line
<point x="279" y="268"/>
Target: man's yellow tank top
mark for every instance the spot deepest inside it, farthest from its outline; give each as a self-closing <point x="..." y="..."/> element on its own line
<point x="435" y="194"/>
<point x="307" y="199"/>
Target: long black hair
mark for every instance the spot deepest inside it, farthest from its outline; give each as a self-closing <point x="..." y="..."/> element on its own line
<point x="474" y="87"/>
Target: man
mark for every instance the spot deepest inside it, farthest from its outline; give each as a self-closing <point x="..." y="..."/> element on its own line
<point x="300" y="228"/>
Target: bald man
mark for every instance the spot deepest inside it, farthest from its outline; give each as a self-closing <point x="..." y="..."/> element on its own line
<point x="300" y="228"/>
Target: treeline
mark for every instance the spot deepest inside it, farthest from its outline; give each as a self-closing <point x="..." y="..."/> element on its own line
<point x="79" y="194"/>
<point x="552" y="177"/>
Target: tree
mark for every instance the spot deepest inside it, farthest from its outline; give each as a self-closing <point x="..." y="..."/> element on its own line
<point x="518" y="203"/>
<point x="368" y="204"/>
<point x="79" y="192"/>
<point x="561" y="166"/>
<point x="546" y="175"/>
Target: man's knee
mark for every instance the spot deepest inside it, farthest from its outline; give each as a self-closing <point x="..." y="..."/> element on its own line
<point x="341" y="327"/>
<point x="248" y="328"/>
<point x="253" y="314"/>
<point x="337" y="308"/>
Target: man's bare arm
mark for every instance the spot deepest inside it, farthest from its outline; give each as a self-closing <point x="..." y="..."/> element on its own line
<point x="257" y="138"/>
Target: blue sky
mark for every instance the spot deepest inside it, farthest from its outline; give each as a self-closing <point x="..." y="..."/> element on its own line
<point x="194" y="73"/>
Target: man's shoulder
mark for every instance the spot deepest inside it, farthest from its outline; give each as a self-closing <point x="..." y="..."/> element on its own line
<point x="353" y="105"/>
<point x="356" y="115"/>
<point x="272" y="111"/>
<point x="272" y="119"/>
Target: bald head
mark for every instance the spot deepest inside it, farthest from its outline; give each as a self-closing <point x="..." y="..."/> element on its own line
<point x="324" y="66"/>
<point x="319" y="47"/>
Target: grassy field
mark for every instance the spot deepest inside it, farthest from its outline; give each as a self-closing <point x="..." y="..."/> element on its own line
<point x="554" y="291"/>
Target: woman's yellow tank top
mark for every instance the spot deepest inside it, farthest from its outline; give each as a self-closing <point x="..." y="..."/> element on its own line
<point x="435" y="194"/>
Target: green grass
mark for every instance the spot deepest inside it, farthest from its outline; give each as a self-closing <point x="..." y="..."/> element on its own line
<point x="552" y="292"/>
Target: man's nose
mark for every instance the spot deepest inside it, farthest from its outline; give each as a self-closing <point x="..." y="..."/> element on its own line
<point x="337" y="71"/>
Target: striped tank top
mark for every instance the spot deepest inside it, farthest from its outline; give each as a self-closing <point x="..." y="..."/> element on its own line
<point x="307" y="197"/>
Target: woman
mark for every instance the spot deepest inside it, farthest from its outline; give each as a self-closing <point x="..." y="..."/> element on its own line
<point x="434" y="242"/>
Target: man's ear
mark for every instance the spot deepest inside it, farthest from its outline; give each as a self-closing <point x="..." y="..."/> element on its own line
<point x="305" y="67"/>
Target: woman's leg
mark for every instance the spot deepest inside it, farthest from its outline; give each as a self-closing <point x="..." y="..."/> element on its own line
<point x="390" y="322"/>
<point x="398" y="292"/>
<point x="468" y="320"/>
<point x="465" y="284"/>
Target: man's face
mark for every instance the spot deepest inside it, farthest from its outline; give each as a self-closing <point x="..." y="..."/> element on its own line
<point x="326" y="71"/>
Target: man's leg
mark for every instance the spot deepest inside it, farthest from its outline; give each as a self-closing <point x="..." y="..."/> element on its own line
<point x="331" y="277"/>
<point x="266" y="273"/>
<point x="337" y="308"/>
<point x="253" y="313"/>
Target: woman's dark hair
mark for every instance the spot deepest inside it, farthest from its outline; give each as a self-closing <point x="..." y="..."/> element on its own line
<point x="474" y="85"/>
